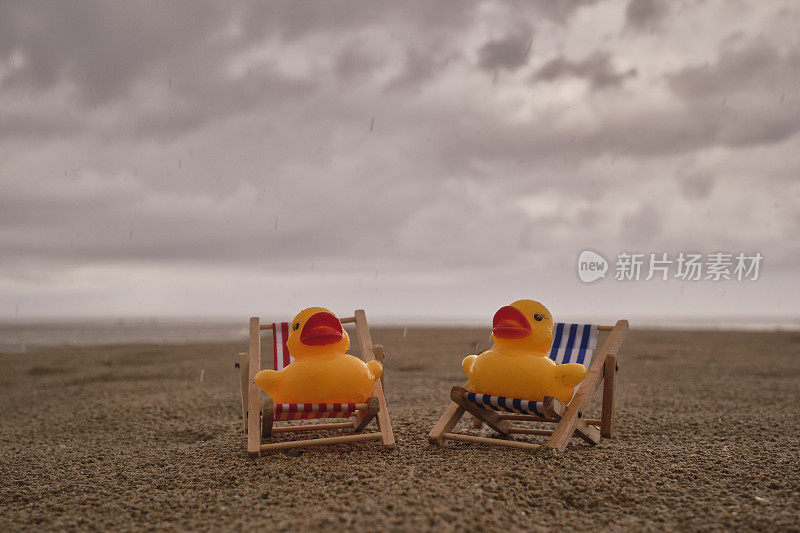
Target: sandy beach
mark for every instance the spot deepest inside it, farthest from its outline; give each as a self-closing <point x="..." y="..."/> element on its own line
<point x="129" y="437"/>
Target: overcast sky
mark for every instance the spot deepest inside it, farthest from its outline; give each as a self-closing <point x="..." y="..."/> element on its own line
<point x="423" y="160"/>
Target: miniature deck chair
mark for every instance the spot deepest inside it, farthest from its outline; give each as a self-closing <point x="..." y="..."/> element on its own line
<point x="572" y="343"/>
<point x="266" y="412"/>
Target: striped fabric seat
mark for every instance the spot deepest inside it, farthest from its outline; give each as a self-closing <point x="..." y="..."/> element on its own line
<point x="572" y="343"/>
<point x="298" y="411"/>
<point x="280" y="353"/>
<point x="506" y="405"/>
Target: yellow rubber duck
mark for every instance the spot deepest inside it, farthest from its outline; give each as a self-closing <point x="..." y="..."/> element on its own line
<point x="518" y="366"/>
<point x="322" y="371"/>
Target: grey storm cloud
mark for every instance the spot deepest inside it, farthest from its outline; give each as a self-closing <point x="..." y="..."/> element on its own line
<point x="419" y="67"/>
<point x="645" y="14"/>
<point x="697" y="185"/>
<point x="286" y="141"/>
<point x="741" y="98"/>
<point x="741" y="67"/>
<point x="355" y="60"/>
<point x="100" y="47"/>
<point x="510" y="52"/>
<point x="596" y="69"/>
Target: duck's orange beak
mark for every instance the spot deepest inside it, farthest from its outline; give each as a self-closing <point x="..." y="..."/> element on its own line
<point x="321" y="329"/>
<point x="510" y="323"/>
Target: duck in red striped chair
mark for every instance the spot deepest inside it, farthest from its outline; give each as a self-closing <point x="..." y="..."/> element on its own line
<point x="322" y="371"/>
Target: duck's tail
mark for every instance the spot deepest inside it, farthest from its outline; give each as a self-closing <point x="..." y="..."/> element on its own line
<point x="466" y="364"/>
<point x="570" y="374"/>
<point x="375" y="370"/>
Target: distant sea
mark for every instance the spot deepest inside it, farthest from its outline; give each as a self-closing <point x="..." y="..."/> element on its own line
<point x="22" y="337"/>
<point x="19" y="337"/>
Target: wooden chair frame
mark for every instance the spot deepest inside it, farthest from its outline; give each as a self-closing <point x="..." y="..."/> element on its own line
<point x="569" y="418"/>
<point x="261" y="426"/>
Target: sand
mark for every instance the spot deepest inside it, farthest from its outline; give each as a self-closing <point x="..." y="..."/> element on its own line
<point x="128" y="437"/>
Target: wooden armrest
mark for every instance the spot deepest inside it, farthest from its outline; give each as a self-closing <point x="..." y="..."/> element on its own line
<point x="379" y="353"/>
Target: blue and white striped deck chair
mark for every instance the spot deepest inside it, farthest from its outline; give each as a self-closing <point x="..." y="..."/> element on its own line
<point x="572" y="343"/>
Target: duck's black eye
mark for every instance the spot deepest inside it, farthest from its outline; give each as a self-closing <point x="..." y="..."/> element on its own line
<point x="296" y="326"/>
<point x="538" y="317"/>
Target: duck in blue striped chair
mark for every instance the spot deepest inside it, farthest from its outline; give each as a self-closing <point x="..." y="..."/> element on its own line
<point x="518" y="366"/>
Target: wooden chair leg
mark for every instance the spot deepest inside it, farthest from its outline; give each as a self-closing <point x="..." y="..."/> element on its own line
<point x="267" y="416"/>
<point x="254" y="393"/>
<point x="588" y="432"/>
<point x="555" y="409"/>
<point x="490" y="418"/>
<point x="384" y="424"/>
<point x="379" y="356"/>
<point x="368" y="353"/>
<point x="446" y="423"/>
<point x="244" y="369"/>
<point x="365" y="417"/>
<point x="476" y="423"/>
<point x="609" y="396"/>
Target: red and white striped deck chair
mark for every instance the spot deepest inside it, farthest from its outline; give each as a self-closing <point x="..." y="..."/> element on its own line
<point x="572" y="343"/>
<point x="255" y="401"/>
